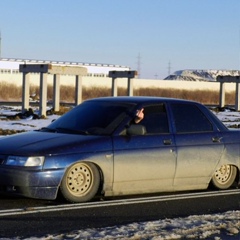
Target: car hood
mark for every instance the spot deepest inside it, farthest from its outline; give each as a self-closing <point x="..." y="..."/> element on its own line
<point x="45" y="143"/>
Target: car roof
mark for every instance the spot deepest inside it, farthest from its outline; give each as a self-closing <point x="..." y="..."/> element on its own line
<point x="140" y="99"/>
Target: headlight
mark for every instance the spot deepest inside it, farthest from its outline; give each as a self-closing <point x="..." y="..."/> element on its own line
<point x="24" y="161"/>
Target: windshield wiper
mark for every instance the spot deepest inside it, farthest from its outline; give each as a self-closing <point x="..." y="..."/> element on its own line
<point x="73" y="131"/>
<point x="63" y="130"/>
<point x="46" y="129"/>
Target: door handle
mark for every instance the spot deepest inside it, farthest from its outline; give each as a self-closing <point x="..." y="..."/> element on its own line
<point x="216" y="139"/>
<point x="167" y="142"/>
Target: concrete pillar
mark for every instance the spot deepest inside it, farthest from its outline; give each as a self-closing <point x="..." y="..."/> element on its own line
<point x="78" y="90"/>
<point x="114" y="87"/>
<point x="237" y="100"/>
<point x="43" y="94"/>
<point x="45" y="69"/>
<point x="25" y="92"/>
<point x="130" y="87"/>
<point x="222" y="94"/>
<point x="56" y="92"/>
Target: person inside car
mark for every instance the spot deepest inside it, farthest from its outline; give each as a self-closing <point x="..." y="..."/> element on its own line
<point x="139" y="116"/>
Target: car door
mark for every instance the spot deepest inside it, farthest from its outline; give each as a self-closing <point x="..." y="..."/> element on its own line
<point x="199" y="147"/>
<point x="145" y="163"/>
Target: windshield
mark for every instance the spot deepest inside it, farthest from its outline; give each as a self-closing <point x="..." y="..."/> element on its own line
<point x="92" y="117"/>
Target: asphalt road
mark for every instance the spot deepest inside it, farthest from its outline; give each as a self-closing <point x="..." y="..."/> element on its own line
<point x="21" y="217"/>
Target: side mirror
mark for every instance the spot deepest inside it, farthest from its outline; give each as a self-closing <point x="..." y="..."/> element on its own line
<point x="136" y="129"/>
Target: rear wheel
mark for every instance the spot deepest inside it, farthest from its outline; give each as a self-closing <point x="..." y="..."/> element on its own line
<point x="80" y="182"/>
<point x="224" y="177"/>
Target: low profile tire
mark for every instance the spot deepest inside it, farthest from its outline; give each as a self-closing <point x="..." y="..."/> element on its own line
<point x="224" y="177"/>
<point x="80" y="182"/>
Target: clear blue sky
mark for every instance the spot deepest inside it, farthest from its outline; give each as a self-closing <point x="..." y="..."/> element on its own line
<point x="190" y="34"/>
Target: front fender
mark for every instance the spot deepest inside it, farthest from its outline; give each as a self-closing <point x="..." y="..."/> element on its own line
<point x="104" y="160"/>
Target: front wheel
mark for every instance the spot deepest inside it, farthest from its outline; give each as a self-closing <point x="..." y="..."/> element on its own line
<point x="224" y="177"/>
<point x="80" y="182"/>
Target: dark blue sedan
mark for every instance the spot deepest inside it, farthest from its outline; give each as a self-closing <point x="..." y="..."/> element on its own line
<point x="103" y="148"/>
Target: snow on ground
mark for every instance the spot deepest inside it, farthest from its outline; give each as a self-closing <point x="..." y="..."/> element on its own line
<point x="215" y="226"/>
<point x="27" y="124"/>
<point x="221" y="226"/>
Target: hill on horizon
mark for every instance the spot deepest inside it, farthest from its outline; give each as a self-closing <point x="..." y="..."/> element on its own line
<point x="201" y="75"/>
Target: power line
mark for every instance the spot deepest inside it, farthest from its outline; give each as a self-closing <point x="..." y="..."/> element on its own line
<point x="139" y="65"/>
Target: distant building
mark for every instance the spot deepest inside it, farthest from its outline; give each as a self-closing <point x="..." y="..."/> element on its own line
<point x="9" y="70"/>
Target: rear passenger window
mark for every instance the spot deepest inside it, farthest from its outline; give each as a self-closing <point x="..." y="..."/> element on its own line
<point x="155" y="119"/>
<point x="189" y="118"/>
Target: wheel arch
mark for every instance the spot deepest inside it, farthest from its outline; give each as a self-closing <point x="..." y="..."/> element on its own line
<point x="100" y="189"/>
<point x="234" y="180"/>
<point x="237" y="180"/>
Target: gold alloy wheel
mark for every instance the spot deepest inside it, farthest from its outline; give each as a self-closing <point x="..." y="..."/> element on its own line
<point x="81" y="182"/>
<point x="224" y="177"/>
<point x="79" y="179"/>
<point x="223" y="174"/>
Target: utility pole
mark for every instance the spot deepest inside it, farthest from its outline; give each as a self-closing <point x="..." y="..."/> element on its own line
<point x="239" y="49"/>
<point x="0" y="45"/>
<point x="169" y="68"/>
<point x="139" y="65"/>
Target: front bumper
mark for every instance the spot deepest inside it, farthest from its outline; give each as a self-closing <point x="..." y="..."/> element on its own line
<point x="31" y="183"/>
